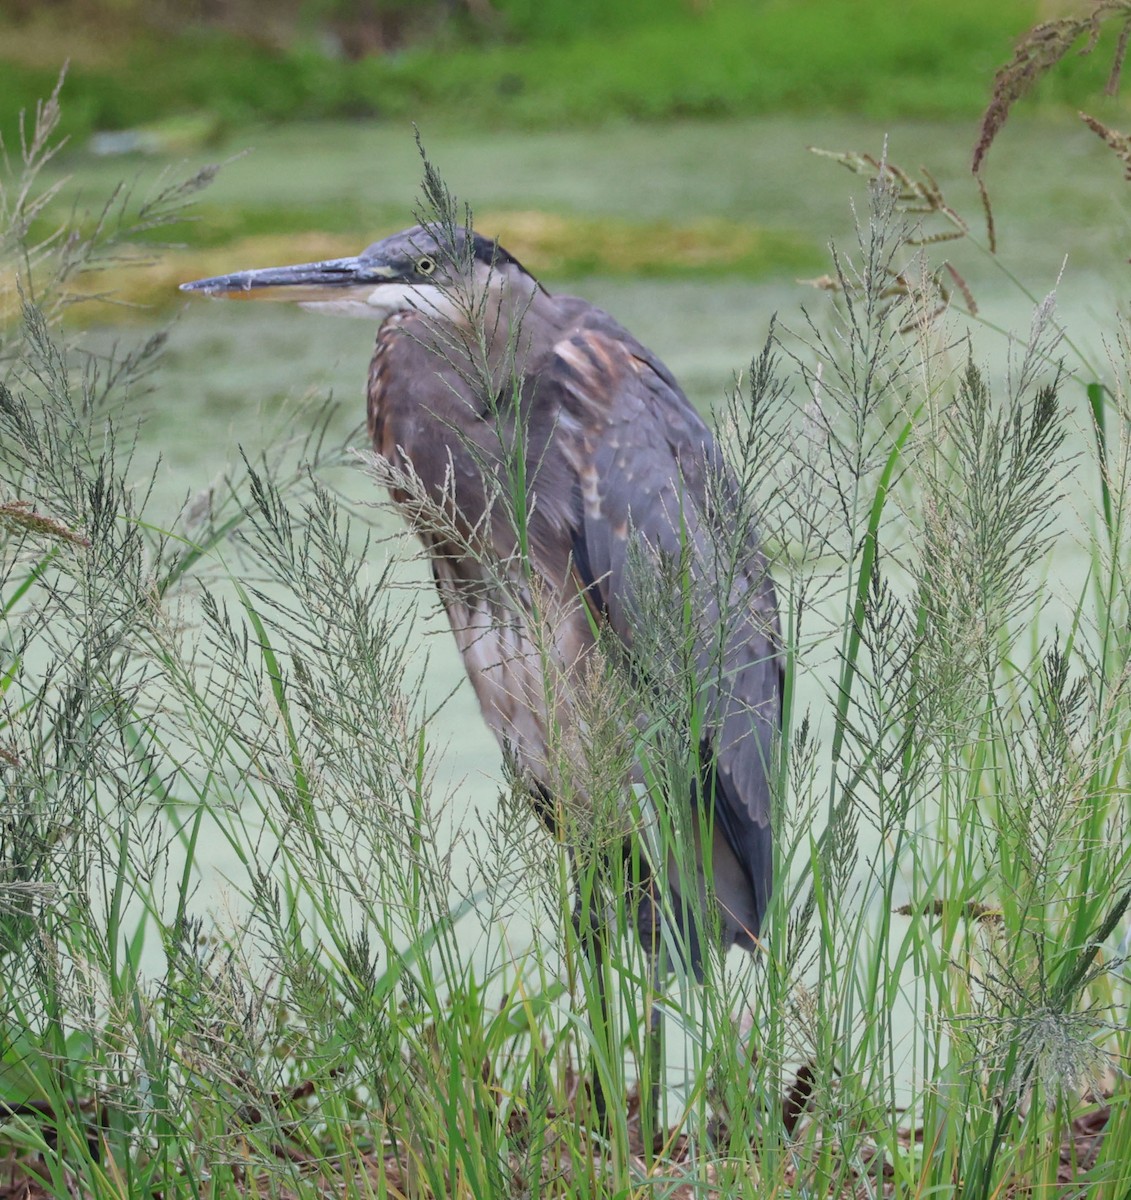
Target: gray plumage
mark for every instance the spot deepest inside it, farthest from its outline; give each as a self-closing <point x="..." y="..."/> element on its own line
<point x="474" y="363"/>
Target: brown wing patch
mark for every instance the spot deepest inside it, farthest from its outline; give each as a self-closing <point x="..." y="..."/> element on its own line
<point x="381" y="369"/>
<point x="594" y="366"/>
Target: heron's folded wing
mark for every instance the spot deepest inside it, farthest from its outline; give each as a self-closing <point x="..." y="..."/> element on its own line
<point x="647" y="522"/>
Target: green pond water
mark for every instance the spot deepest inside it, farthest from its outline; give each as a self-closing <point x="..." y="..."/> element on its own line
<point x="232" y="373"/>
<point x="1061" y="210"/>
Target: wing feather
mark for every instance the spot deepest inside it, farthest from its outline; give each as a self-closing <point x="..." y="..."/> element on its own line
<point x="648" y="468"/>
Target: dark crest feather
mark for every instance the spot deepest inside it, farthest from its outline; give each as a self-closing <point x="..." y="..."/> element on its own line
<point x="487" y="250"/>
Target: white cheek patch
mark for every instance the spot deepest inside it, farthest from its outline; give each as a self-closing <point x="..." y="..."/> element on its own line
<point x="377" y="303"/>
<point x="388" y="298"/>
<point x="425" y="298"/>
<point x="333" y="302"/>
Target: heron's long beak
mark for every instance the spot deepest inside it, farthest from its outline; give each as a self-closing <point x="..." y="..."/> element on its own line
<point x="304" y="281"/>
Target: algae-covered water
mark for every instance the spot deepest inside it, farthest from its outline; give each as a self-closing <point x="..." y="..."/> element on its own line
<point x="1060" y="204"/>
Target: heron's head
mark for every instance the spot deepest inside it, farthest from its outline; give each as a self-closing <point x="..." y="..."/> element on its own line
<point x="415" y="269"/>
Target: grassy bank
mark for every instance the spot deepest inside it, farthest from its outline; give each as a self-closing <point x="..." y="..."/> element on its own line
<point x="940" y="1001"/>
<point x="725" y="59"/>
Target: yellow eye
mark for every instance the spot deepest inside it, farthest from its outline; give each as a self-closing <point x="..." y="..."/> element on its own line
<point x="425" y="266"/>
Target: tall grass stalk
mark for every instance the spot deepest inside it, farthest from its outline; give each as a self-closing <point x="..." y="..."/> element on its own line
<point x="941" y="991"/>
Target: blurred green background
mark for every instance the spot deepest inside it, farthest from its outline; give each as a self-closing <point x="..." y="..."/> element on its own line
<point x="649" y="154"/>
<point x="634" y="138"/>
<point x="512" y="63"/>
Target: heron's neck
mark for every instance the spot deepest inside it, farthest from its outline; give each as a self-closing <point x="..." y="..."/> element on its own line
<point x="494" y="326"/>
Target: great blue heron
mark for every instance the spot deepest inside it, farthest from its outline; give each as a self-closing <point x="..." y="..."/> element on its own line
<point x="615" y="469"/>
